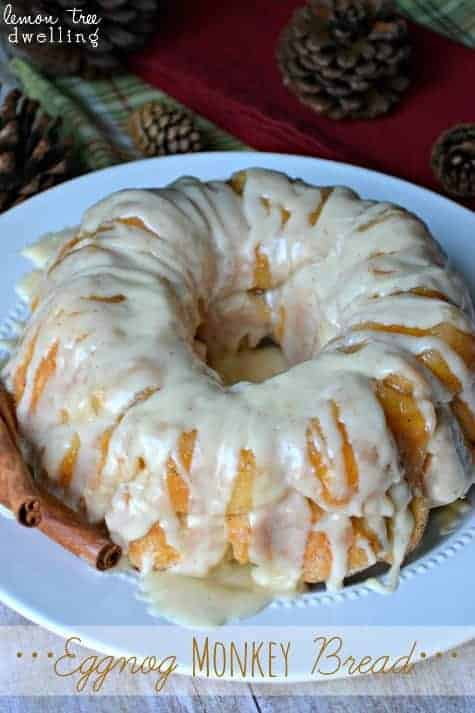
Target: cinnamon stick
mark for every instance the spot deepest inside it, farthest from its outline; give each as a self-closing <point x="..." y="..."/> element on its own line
<point x="7" y="412"/>
<point x="34" y="506"/>
<point x="18" y="491"/>
<point x="9" y="426"/>
<point x="66" y="527"/>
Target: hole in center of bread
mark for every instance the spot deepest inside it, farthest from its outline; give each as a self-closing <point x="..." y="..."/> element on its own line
<point x="254" y="365"/>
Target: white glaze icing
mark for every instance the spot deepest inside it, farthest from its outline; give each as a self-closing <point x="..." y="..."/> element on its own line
<point x="133" y="368"/>
<point x="228" y="593"/>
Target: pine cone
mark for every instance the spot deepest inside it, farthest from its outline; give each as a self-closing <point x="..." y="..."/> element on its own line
<point x="346" y="58"/>
<point x="124" y="26"/>
<point x="33" y="157"/>
<point x="453" y="160"/>
<point x="160" y="131"/>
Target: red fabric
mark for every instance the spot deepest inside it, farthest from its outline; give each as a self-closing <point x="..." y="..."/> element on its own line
<point x="218" y="58"/>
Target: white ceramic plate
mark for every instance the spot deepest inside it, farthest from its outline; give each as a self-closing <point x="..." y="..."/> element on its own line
<point x="52" y="588"/>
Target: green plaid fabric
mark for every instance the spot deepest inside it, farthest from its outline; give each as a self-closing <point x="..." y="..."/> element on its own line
<point x="96" y="114"/>
<point x="454" y="18"/>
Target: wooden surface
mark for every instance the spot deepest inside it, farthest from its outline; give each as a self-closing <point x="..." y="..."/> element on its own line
<point x="330" y="704"/>
<point x="445" y="685"/>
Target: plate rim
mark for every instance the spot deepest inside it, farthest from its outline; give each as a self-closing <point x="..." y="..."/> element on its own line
<point x="239" y="154"/>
